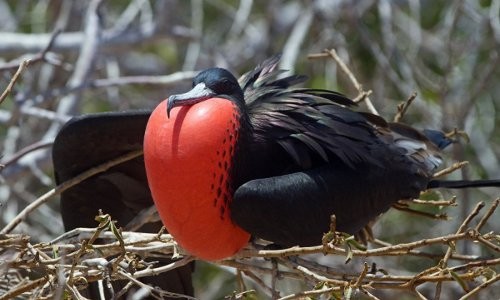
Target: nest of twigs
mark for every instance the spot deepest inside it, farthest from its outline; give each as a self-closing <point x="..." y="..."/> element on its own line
<point x="67" y="264"/>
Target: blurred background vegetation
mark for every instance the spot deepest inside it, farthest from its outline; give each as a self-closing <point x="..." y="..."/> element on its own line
<point x="446" y="51"/>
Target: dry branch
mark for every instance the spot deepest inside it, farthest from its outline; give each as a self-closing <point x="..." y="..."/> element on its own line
<point x="363" y="95"/>
<point x="75" y="260"/>
<point x="66" y="185"/>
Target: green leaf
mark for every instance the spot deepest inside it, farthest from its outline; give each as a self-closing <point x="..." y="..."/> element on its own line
<point x="55" y="251"/>
<point x="348" y="293"/>
<point x="349" y="253"/>
<point x="352" y="242"/>
<point x="383" y="272"/>
<point x="459" y="280"/>
<point x="488" y="273"/>
<point x="431" y="195"/>
<point x="116" y="232"/>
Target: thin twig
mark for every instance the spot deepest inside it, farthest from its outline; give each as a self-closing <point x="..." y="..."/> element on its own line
<point x="40" y="56"/>
<point x="308" y="294"/>
<point x="259" y="281"/>
<point x="362" y="275"/>
<point x="450" y="169"/>
<point x="150" y="289"/>
<point x="452" y="202"/>
<point x="403" y="107"/>
<point x="384" y="251"/>
<point x="14" y="79"/>
<point x="480" y="287"/>
<point x="333" y="54"/>
<point x="26" y="150"/>
<point x="16" y="291"/>
<point x="488" y="214"/>
<point x="449" y="251"/>
<point x="488" y="244"/>
<point x="321" y="278"/>
<point x="430" y="255"/>
<point x="72" y="41"/>
<point x="420" y="213"/>
<point x="66" y="185"/>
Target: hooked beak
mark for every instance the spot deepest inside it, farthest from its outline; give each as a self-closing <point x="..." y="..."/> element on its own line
<point x="197" y="94"/>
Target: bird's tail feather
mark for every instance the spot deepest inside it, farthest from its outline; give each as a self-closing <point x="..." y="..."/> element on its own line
<point x="438" y="138"/>
<point x="460" y="184"/>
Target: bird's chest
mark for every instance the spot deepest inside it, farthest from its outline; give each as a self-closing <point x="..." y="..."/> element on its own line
<point x="188" y="159"/>
<point x="189" y="155"/>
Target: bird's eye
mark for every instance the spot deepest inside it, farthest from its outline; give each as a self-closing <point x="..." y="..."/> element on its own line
<point x="222" y="86"/>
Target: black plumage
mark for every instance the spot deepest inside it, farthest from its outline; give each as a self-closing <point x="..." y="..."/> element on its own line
<point x="308" y="155"/>
<point x="122" y="191"/>
<point x="304" y="154"/>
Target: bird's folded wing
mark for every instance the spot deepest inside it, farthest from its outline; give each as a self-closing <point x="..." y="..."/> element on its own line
<point x="122" y="191"/>
<point x="295" y="209"/>
<point x="89" y="140"/>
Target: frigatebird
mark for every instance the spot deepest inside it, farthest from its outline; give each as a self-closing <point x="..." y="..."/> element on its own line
<point x="263" y="157"/>
<point x="259" y="156"/>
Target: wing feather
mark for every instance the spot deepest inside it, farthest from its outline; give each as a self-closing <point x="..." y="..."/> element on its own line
<point x="317" y="124"/>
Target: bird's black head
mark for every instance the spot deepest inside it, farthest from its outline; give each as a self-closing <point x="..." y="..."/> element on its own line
<point x="213" y="82"/>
